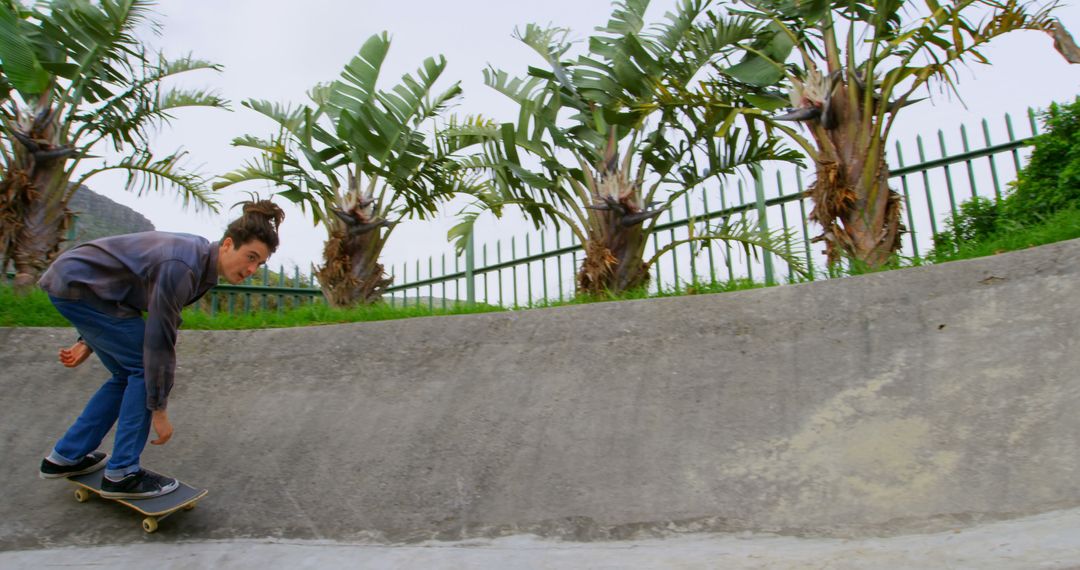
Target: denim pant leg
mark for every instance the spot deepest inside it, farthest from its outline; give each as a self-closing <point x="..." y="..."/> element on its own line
<point x="118" y="343"/>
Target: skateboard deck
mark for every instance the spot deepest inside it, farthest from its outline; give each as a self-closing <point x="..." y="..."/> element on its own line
<point x="155" y="508"/>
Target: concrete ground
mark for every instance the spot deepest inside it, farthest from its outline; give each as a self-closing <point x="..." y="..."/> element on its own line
<point x="920" y="418"/>
<point x="1050" y="541"/>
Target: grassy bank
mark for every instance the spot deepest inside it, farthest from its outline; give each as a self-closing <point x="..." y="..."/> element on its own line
<point x="35" y="310"/>
<point x="1060" y="226"/>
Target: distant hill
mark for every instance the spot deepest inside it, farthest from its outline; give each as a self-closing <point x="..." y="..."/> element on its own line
<point x="99" y="217"/>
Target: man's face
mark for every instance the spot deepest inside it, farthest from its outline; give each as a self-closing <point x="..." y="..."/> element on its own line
<point x="235" y="265"/>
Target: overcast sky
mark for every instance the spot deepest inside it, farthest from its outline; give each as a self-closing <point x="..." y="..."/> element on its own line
<point x="278" y="49"/>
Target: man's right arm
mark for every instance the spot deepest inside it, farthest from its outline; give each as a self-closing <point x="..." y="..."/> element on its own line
<point x="162" y="427"/>
<point x="173" y="284"/>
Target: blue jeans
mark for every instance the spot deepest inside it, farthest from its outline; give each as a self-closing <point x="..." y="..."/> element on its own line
<point x="118" y="342"/>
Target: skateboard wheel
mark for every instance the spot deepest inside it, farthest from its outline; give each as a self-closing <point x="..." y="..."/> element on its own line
<point x="189" y="507"/>
<point x="82" y="495"/>
<point x="149" y="524"/>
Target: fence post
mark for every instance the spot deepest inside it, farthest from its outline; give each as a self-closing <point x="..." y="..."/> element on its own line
<point x="763" y="225"/>
<point x="470" y="277"/>
<point x="73" y="232"/>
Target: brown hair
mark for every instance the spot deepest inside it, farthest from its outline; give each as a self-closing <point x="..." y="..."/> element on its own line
<point x="260" y="221"/>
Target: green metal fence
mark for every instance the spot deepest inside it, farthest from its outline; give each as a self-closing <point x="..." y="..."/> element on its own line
<point x="541" y="266"/>
<point x="283" y="292"/>
<point x="267" y="292"/>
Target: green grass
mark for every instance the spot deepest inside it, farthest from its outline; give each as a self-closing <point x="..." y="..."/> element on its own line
<point x="319" y="314"/>
<point x="35" y="310"/>
<point x="684" y="289"/>
<point x="1061" y="226"/>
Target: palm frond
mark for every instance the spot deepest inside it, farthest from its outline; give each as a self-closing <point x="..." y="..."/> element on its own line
<point x="667" y="38"/>
<point x="461" y="233"/>
<point x="184" y="64"/>
<point x="264" y="145"/>
<point x="145" y="174"/>
<point x="182" y="98"/>
<point x="720" y="37"/>
<point x="406" y="99"/>
<point x="628" y="18"/>
<point x="143" y="96"/>
<point x="744" y="231"/>
<point x="289" y="118"/>
<point x="357" y="86"/>
<point x="128" y="121"/>
<point x="551" y="44"/>
<point x="462" y="133"/>
<point x="21" y="67"/>
<point x="249" y="172"/>
<point x="434" y="106"/>
<point x="763" y="63"/>
<point x="522" y="91"/>
<point x="99" y="40"/>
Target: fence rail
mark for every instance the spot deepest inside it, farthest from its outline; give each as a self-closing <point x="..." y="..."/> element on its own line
<point x="513" y="278"/>
<point x="268" y="297"/>
<point x="252" y="293"/>
<point x="924" y="214"/>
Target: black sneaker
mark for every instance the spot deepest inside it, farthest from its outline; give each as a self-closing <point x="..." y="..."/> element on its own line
<point x="92" y="462"/>
<point x="142" y="484"/>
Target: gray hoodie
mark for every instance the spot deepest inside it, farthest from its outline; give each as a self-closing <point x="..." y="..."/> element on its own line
<point x="154" y="272"/>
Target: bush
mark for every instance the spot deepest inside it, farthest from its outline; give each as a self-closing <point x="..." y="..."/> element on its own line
<point x="977" y="220"/>
<point x="1050" y="183"/>
<point x="1051" y="180"/>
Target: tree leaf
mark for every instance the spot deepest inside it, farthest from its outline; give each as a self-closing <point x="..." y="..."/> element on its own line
<point x="767" y="102"/>
<point x="20" y="63"/>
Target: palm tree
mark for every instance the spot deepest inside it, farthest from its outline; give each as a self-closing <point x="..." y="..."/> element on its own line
<point x="856" y="64"/>
<point x="361" y="160"/>
<point x="604" y="142"/>
<point x="74" y="79"/>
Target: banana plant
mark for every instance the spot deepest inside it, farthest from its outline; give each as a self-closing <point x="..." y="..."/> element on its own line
<point x="74" y="79"/>
<point x="604" y="144"/>
<point x="361" y="160"/>
<point x="848" y="68"/>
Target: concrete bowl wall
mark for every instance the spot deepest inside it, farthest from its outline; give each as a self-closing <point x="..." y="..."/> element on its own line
<point x="915" y="400"/>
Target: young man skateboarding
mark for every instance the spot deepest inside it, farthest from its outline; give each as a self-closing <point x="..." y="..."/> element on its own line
<point x="103" y="287"/>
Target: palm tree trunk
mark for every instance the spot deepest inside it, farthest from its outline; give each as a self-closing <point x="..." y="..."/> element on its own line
<point x="352" y="274"/>
<point x="33" y="219"/>
<point x="859" y="213"/>
<point x="613" y="258"/>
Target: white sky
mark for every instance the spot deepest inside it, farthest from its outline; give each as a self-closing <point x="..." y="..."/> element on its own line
<point x="278" y="49"/>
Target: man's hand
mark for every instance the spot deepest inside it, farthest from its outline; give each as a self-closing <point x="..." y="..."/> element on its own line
<point x="75" y="355"/>
<point x="162" y="427"/>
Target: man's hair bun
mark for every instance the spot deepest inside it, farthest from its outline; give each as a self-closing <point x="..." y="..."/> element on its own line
<point x="260" y="221"/>
<point x="265" y="208"/>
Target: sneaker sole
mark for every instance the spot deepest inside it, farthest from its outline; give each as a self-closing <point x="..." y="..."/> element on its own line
<point x="150" y="495"/>
<point x="95" y="467"/>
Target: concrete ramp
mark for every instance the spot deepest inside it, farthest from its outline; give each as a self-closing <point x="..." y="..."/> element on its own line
<point x="915" y="401"/>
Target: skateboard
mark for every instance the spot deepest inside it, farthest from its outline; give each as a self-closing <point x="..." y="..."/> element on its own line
<point x="155" y="508"/>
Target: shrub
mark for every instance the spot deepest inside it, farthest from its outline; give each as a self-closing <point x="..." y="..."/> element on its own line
<point x="1048" y="184"/>
<point x="1051" y="180"/>
<point x="977" y="220"/>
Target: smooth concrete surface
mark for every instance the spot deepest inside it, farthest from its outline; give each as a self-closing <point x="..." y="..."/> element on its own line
<point x="876" y="408"/>
<point x="1047" y="541"/>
